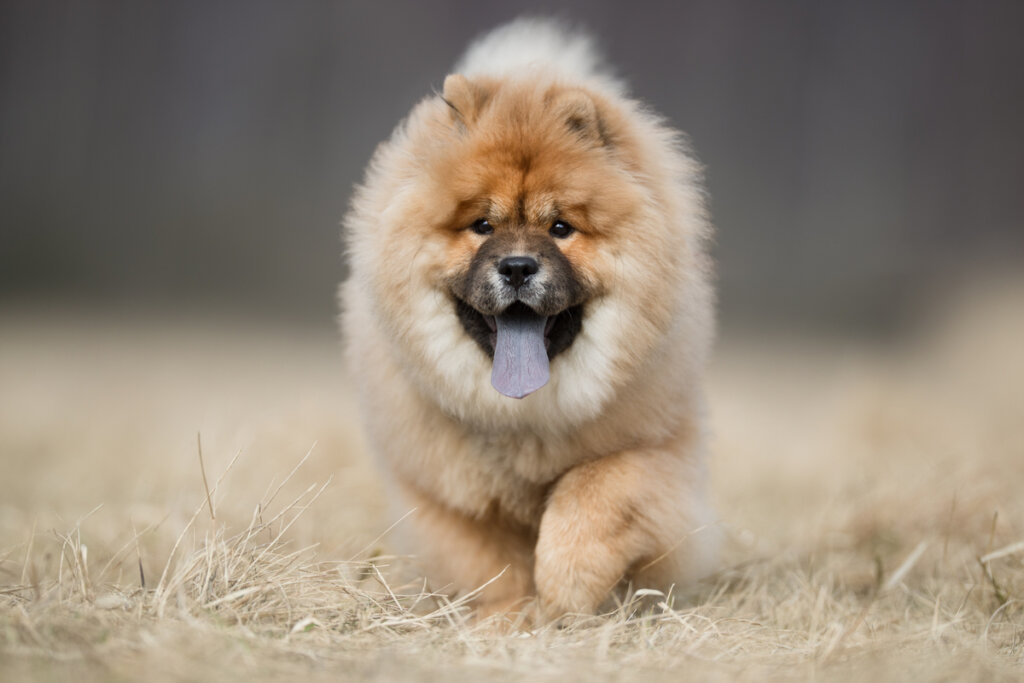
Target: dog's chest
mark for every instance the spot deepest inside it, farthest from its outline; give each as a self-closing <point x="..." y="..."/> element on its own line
<point x="520" y="470"/>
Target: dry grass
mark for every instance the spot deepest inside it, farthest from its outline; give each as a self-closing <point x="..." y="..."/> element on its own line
<point x="871" y="494"/>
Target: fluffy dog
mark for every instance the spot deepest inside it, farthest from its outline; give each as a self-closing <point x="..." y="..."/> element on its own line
<point x="527" y="316"/>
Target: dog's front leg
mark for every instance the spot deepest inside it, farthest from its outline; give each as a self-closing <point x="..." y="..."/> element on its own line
<point x="634" y="515"/>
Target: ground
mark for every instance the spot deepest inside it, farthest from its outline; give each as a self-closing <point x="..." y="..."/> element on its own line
<point x="869" y="490"/>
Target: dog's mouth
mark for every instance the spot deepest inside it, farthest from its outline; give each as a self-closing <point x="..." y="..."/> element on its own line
<point x="521" y="343"/>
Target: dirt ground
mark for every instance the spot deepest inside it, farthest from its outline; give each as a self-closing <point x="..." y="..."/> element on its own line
<point x="871" y="494"/>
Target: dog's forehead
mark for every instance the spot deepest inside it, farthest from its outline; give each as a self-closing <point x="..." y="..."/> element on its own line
<point x="514" y="176"/>
<point x="521" y="205"/>
<point x="527" y="186"/>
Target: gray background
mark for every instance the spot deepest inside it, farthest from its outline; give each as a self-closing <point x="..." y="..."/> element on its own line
<point x="862" y="157"/>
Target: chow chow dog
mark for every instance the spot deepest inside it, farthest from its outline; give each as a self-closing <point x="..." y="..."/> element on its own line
<point x="527" y="316"/>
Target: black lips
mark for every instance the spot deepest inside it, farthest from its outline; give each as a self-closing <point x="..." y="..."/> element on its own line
<point x="559" y="336"/>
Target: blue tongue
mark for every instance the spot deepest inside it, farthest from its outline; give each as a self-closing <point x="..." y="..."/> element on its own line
<point x="520" y="355"/>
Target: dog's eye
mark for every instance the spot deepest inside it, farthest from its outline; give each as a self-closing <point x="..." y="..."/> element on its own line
<point x="481" y="227"/>
<point x="561" y="229"/>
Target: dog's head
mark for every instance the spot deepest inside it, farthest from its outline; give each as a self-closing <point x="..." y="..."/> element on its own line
<point x="508" y="224"/>
<point x="531" y="173"/>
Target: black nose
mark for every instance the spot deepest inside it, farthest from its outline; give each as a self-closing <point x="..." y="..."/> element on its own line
<point x="517" y="269"/>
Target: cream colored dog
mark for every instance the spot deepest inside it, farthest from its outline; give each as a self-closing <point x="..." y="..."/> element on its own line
<point x="527" y="318"/>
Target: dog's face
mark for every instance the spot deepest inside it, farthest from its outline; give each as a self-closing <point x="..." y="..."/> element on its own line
<point x="531" y="179"/>
<point x="519" y="228"/>
<point x="516" y="290"/>
<point x="520" y="294"/>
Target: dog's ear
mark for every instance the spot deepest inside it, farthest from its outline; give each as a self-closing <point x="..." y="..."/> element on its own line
<point x="578" y="112"/>
<point x="464" y="98"/>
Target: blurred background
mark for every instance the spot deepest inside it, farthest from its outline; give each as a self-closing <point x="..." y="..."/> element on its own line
<point x="197" y="157"/>
<point x="172" y="180"/>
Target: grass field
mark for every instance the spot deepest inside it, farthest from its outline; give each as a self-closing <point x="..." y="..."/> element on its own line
<point x="872" y="495"/>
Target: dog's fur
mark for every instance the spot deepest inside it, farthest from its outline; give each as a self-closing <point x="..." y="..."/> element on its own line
<point x="599" y="476"/>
